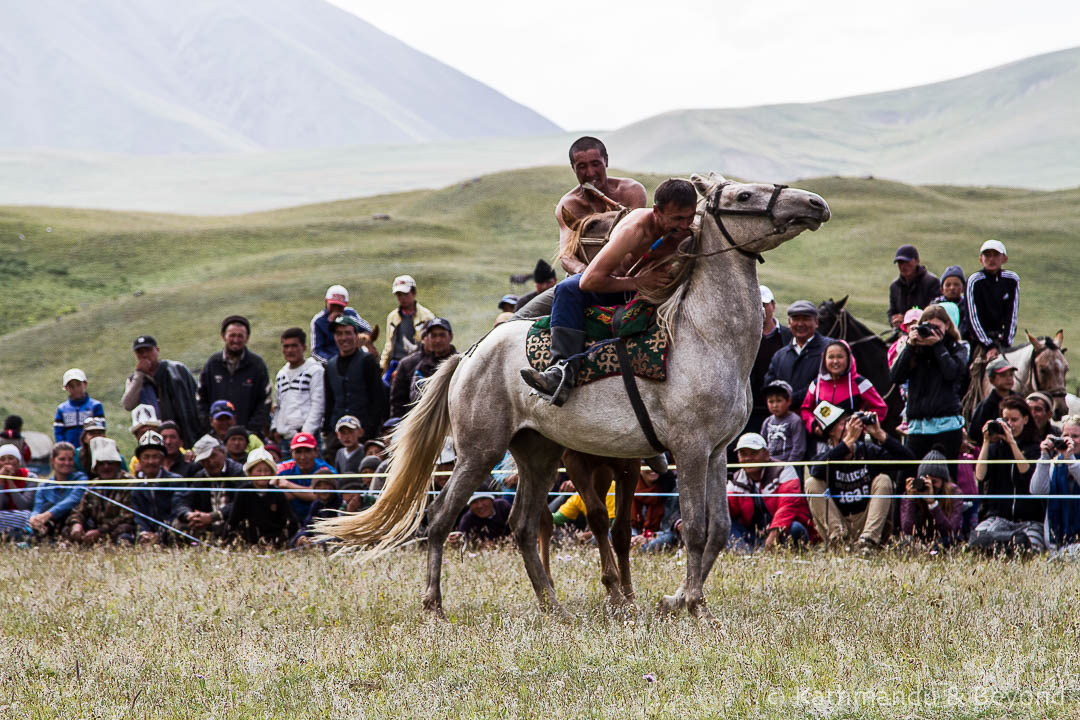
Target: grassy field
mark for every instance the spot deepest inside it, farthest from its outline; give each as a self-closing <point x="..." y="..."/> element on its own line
<point x="177" y="634"/>
<point x="79" y="285"/>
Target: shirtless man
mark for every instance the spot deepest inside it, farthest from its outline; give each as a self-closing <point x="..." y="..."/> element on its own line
<point x="589" y="159"/>
<point x="607" y="280"/>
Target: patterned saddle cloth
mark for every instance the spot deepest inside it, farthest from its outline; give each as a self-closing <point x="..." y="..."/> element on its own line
<point x="646" y="343"/>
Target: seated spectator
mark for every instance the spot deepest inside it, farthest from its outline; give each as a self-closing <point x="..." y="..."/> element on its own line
<point x="933" y="363"/>
<point x="1062" y="514"/>
<point x="355" y="497"/>
<point x="839" y="384"/>
<point x="1011" y="523"/>
<point x="348" y="458"/>
<point x="1002" y="376"/>
<point x="436" y="344"/>
<point x="70" y="414"/>
<point x="799" y="362"/>
<point x="222" y="420"/>
<point x="165" y="385"/>
<point x="238" y="375"/>
<point x="670" y="534"/>
<point x="143" y="419"/>
<point x="376" y="448"/>
<point x="772" y="519"/>
<point x="93" y="427"/>
<point x="858" y="508"/>
<point x="924" y="517"/>
<point x="96" y="519"/>
<point x="237" y="440"/>
<point x="12" y="435"/>
<point x="305" y="461"/>
<point x="1042" y="415"/>
<point x="175" y="461"/>
<point x="300" y="394"/>
<point x="572" y="511"/>
<point x="965" y="481"/>
<point x="953" y="284"/>
<point x="154" y="501"/>
<point x="52" y="503"/>
<point x="327" y="505"/>
<point x="647" y="507"/>
<point x="783" y="429"/>
<point x="323" y="347"/>
<point x="914" y="287"/>
<point x="275" y="451"/>
<point x="203" y="510"/>
<point x="17" y="502"/>
<point x="261" y="517"/>
<point x="487" y="519"/>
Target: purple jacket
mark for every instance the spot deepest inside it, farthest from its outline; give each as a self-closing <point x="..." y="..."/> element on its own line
<point x="934" y="524"/>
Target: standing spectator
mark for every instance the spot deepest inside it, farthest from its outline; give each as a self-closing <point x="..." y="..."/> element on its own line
<point x="12" y="434"/>
<point x="323" y="348"/>
<point x="301" y="398"/>
<point x="165" y="385"/>
<point x="783" y="430"/>
<point x="238" y="375"/>
<point x="487" y="519"/>
<point x="402" y="325"/>
<point x="70" y="414"/>
<point x="1062" y="514"/>
<point x="352" y="383"/>
<point x="204" y="509"/>
<point x="351" y="454"/>
<point x="924" y="514"/>
<point x="436" y="345"/>
<point x="934" y="366"/>
<point x="305" y="461"/>
<point x="798" y="362"/>
<point x="260" y="517"/>
<point x="95" y="518"/>
<point x="839" y="384"/>
<point x="773" y="337"/>
<point x="858" y="506"/>
<point x="1009" y="523"/>
<point x="914" y="287"/>
<point x="953" y="285"/>
<point x="774" y="517"/>
<point x="17" y="501"/>
<point x="993" y="299"/>
<point x="1002" y="376"/>
<point x="153" y="501"/>
<point x="52" y="503"/>
<point x="1042" y="413"/>
<point x="175" y="461"/>
<point x="543" y="277"/>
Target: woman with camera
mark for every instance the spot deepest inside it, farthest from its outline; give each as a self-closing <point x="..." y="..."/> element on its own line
<point x="928" y="513"/>
<point x="1062" y="514"/>
<point x="934" y="365"/>
<point x="840" y="384"/>
<point x="1014" y="521"/>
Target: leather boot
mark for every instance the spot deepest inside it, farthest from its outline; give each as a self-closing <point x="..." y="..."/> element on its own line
<point x="558" y="379"/>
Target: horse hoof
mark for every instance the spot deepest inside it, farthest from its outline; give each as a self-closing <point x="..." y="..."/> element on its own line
<point x="701" y="611"/>
<point x="671" y="604"/>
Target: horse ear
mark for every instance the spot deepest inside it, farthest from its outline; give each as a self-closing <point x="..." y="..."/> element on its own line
<point x="1033" y="340"/>
<point x="841" y="302"/>
<point x="703" y="184"/>
<point x="1059" y="338"/>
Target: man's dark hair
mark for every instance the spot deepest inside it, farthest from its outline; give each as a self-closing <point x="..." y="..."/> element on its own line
<point x="236" y="320"/>
<point x="295" y="332"/>
<point x="1020" y="405"/>
<point x="13" y="422"/>
<point x="675" y="192"/>
<point x="585" y="143"/>
<point x="168" y="425"/>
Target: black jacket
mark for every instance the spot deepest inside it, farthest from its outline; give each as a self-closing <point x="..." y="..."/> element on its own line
<point x="849" y="485"/>
<point x="769" y="346"/>
<point x="148" y="499"/>
<point x="357" y="391"/>
<point x="412" y="368"/>
<point x="263" y="517"/>
<point x="248" y="389"/>
<point x="993" y="303"/>
<point x="220" y="499"/>
<point x="919" y="292"/>
<point x="937" y="378"/>
<point x="1003" y="479"/>
<point x="988" y="409"/>
<point x="798" y="369"/>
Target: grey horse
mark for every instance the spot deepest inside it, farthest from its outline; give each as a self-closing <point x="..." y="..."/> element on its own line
<point x="712" y="312"/>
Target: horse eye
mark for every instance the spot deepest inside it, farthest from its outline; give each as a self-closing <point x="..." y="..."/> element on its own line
<point x="743" y="196"/>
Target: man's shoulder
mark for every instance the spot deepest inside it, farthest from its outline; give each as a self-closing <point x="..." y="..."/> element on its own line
<point x="628" y="191"/>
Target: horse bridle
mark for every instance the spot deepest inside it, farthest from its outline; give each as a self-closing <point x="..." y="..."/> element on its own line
<point x="713" y="208"/>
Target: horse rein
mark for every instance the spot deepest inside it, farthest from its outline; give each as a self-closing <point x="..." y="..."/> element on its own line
<point x="712" y="207"/>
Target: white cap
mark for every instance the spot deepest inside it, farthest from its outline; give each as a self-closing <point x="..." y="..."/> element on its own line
<point x="993" y="245"/>
<point x="103" y="449"/>
<point x="205" y="446"/>
<point x="338" y="294"/>
<point x="10" y="449"/>
<point x="751" y="441"/>
<point x="480" y="496"/>
<point x="766" y="295"/>
<point x="74" y="374"/>
<point x="259" y="455"/>
<point x="144" y="416"/>
<point x="404" y="283"/>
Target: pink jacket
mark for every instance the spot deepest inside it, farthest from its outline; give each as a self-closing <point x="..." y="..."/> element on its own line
<point x="852" y="392"/>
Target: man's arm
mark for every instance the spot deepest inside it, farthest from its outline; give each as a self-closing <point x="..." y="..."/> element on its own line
<point x="318" y="401"/>
<point x="132" y="389"/>
<point x="629" y="237"/>
<point x="260" y="411"/>
<point x="203" y="395"/>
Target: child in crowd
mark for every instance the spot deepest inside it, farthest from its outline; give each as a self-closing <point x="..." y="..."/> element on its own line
<point x="993" y="304"/>
<point x="783" y="429"/>
<point x="70" y="414"/>
<point x="953" y="285"/>
<point x="236" y="443"/>
<point x="347" y="460"/>
<point x="262" y="517"/>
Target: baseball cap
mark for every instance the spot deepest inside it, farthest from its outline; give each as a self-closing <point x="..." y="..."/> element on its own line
<point x="205" y="446"/>
<point x="348" y="421"/>
<point x="766" y="294"/>
<point x="481" y="496"/>
<point x="144" y="341"/>
<point x="993" y="245"/>
<point x="350" y="321"/>
<point x="751" y="441"/>
<point x="222" y="407"/>
<point x="144" y="416"/>
<point x="103" y="449"/>
<point x="337" y="295"/>
<point x="508" y="300"/>
<point x="802" y="307"/>
<point x="150" y="440"/>
<point x="303" y="440"/>
<point x="404" y="283"/>
<point x="437" y="323"/>
<point x="779" y="385"/>
<point x="74" y="374"/>
<point x="998" y="364"/>
<point x="376" y="442"/>
<point x="93" y="423"/>
<point x="906" y="253"/>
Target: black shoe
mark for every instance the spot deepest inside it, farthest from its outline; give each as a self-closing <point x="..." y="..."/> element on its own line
<point x="555" y="382"/>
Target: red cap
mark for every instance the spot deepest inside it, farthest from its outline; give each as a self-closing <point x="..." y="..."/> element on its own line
<point x="303" y="440"/>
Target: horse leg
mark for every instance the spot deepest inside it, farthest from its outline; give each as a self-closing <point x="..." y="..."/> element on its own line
<point x="469" y="474"/>
<point x="537" y="460"/>
<point x="719" y="517"/>
<point x="693" y="468"/>
<point x="546" y="529"/>
<point x="592" y="476"/>
<point x="625" y="485"/>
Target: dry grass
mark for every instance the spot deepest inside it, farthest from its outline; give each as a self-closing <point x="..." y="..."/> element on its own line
<point x="119" y="634"/>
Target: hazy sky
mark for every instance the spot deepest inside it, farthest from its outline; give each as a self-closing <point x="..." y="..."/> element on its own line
<point x="597" y="65"/>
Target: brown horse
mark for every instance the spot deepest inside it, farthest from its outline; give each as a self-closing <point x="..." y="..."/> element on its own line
<point x="1040" y="365"/>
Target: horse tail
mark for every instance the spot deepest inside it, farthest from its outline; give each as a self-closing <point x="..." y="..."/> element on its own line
<point x="397" y="513"/>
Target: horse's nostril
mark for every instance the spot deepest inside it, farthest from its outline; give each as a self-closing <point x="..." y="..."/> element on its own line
<point x="814" y="202"/>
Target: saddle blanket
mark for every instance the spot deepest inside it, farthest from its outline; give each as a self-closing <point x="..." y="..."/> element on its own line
<point x="646" y="343"/>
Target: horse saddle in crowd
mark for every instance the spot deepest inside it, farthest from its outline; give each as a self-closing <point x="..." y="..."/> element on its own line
<point x="646" y="343"/>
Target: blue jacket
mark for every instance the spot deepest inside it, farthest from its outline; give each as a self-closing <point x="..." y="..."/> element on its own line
<point x="59" y="499"/>
<point x="798" y="369"/>
<point x="323" y="347"/>
<point x="67" y="427"/>
<point x="301" y="507"/>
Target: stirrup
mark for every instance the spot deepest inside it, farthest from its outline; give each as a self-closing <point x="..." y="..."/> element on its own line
<point x="558" y="397"/>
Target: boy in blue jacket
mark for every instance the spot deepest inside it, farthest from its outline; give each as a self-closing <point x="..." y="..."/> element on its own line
<point x="70" y="414"/>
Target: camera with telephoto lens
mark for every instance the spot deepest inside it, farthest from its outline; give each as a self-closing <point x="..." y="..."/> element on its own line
<point x="925" y="330"/>
<point x="866" y="417"/>
<point x="994" y="427"/>
<point x="1059" y="443"/>
<point x="918" y="484"/>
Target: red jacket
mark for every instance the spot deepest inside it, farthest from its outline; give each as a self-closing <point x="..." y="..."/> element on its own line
<point x="646" y="512"/>
<point x="784" y="510"/>
<point x="7" y="500"/>
<point x="851" y="392"/>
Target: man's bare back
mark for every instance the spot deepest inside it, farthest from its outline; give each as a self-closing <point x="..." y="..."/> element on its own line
<point x="633" y="237"/>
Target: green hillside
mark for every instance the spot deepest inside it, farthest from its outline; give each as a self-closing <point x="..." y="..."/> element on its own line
<point x="76" y="296"/>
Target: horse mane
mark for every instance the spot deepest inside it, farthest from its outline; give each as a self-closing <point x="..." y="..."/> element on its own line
<point x="573" y="243"/>
<point x="669" y="297"/>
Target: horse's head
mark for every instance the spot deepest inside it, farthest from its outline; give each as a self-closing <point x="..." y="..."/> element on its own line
<point x="1050" y="368"/>
<point x="830" y="315"/>
<point x="756" y="217"/>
